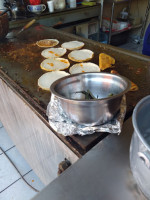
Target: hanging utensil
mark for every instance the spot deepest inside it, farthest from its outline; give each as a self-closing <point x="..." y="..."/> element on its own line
<point x="26" y="26"/>
<point x="13" y="34"/>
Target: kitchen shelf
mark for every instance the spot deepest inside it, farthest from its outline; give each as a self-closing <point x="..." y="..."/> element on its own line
<point x="113" y="2"/>
<point x="127" y="29"/>
<point x="64" y="18"/>
<point x="120" y="31"/>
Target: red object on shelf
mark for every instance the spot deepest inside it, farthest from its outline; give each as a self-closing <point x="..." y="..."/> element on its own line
<point x="117" y="26"/>
<point x="35" y="2"/>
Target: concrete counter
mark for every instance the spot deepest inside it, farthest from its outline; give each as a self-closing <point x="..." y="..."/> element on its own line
<point x="102" y="174"/>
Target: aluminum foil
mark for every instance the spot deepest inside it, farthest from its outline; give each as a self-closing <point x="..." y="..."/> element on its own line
<point x="60" y="122"/>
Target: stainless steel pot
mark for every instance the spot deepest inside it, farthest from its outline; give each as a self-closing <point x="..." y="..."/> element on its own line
<point x="140" y="145"/>
<point x="94" y="111"/>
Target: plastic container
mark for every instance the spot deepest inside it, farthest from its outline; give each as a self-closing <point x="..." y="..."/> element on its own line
<point x="50" y="6"/>
<point x="103" y="37"/>
<point x="59" y="4"/>
<point x="72" y="4"/>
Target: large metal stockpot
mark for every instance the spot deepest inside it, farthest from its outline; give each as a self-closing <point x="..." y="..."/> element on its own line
<point x="140" y="145"/>
<point x="94" y="111"/>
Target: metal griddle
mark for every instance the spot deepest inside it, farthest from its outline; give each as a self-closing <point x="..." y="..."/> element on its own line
<point x="22" y="70"/>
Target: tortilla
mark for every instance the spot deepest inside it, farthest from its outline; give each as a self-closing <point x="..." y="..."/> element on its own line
<point x="48" y="78"/>
<point x="106" y="61"/>
<point x="53" y="52"/>
<point x="72" y="45"/>
<point x="84" y="67"/>
<point x="54" y="64"/>
<point x="81" y="55"/>
<point x="47" y="43"/>
<point x="133" y="88"/>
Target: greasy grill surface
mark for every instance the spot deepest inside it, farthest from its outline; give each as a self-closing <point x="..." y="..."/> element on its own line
<point x="20" y="59"/>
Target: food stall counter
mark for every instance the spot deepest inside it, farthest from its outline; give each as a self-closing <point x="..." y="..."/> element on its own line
<point x="20" y="96"/>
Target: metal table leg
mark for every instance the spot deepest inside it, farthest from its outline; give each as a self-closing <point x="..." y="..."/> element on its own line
<point x="101" y="14"/>
<point x="99" y="24"/>
<point x="111" y="22"/>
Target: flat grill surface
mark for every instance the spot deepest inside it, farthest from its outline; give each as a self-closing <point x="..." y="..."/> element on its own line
<point x="20" y="59"/>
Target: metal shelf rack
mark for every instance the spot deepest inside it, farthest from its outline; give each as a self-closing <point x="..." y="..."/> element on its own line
<point x="113" y="2"/>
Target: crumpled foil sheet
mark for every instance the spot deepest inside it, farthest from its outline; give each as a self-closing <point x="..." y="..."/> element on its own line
<point x="60" y="122"/>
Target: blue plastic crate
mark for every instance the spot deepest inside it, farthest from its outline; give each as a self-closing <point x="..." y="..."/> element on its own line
<point x="103" y="37"/>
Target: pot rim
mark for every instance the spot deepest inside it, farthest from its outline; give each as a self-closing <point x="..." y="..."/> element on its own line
<point x="134" y="121"/>
<point x="52" y="88"/>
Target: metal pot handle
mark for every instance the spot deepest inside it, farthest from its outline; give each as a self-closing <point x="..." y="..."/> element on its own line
<point x="145" y="157"/>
